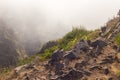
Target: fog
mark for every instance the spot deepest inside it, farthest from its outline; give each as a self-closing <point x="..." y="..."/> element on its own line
<point x="43" y="20"/>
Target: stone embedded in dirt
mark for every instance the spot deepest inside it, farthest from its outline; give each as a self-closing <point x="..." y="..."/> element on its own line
<point x="59" y="72"/>
<point x="95" y="52"/>
<point x="66" y="61"/>
<point x="53" y="77"/>
<point x="106" y="71"/>
<point x="98" y="67"/>
<point x="99" y="44"/>
<point x="87" y="73"/>
<point x="56" y="66"/>
<point x="91" y="53"/>
<point x="115" y="47"/>
<point x="72" y="55"/>
<point x="82" y="45"/>
<point x="59" y="66"/>
<point x="56" y="57"/>
<point x="89" y="42"/>
<point x="79" y="66"/>
<point x="46" y="66"/>
<point x="103" y="29"/>
<point x="72" y="75"/>
<point x="48" y="76"/>
<point x="100" y="34"/>
<point x="98" y="51"/>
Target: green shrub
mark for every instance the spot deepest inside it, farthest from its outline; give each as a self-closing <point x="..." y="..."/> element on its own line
<point x="48" y="53"/>
<point x="71" y="38"/>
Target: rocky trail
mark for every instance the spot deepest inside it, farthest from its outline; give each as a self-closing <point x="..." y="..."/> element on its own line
<point x="88" y="60"/>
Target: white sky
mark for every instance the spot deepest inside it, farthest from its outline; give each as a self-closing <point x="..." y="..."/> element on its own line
<point x="55" y="17"/>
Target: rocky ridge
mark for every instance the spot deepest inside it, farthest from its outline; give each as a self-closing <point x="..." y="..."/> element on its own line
<point x="88" y="60"/>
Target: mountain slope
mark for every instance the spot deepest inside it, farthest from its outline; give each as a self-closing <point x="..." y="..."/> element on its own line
<point x="90" y="59"/>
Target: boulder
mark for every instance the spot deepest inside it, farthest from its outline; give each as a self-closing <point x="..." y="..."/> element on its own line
<point x="56" y="57"/>
<point x="79" y="66"/>
<point x="59" y="66"/>
<point x="103" y="29"/>
<point x="99" y="44"/>
<point x="95" y="52"/>
<point x="71" y="55"/>
<point x="82" y="45"/>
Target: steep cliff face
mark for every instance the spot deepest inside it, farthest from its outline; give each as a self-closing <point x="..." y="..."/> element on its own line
<point x="10" y="48"/>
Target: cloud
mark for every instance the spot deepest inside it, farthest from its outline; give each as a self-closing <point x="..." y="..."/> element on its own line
<point x="43" y="20"/>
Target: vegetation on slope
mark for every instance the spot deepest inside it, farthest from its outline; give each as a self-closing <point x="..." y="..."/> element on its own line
<point x="66" y="43"/>
<point x="72" y="37"/>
